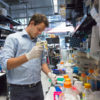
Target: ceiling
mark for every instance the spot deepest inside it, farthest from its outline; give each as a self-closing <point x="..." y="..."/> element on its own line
<point x="26" y="8"/>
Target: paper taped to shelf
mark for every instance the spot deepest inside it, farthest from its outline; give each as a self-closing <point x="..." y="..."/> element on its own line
<point x="95" y="41"/>
<point x="3" y="11"/>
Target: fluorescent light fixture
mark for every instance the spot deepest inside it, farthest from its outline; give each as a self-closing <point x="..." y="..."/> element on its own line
<point x="61" y="28"/>
<point x="55" y="2"/>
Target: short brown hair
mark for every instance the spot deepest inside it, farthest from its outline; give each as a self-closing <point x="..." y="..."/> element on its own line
<point x="39" y="18"/>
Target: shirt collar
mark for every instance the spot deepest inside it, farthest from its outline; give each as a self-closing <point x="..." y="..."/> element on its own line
<point x="25" y="34"/>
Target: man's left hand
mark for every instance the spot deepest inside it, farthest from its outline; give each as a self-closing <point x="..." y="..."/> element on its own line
<point x="53" y="77"/>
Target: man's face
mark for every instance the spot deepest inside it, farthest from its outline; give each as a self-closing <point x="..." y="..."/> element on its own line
<point x="36" y="29"/>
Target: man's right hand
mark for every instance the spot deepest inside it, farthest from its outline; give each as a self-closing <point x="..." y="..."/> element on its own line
<point x="35" y="52"/>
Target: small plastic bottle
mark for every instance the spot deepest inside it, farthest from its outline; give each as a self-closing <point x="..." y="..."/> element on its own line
<point x="87" y="91"/>
<point x="61" y="65"/>
<point x="91" y="71"/>
<point x="69" y="71"/>
<point x="88" y="79"/>
<point x="92" y="80"/>
<point x="68" y="94"/>
<point x="83" y="78"/>
<point x="66" y="80"/>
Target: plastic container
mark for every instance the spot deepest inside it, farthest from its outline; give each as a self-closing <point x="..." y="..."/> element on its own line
<point x="61" y="65"/>
<point x="87" y="91"/>
<point x="64" y="54"/>
<point x="69" y="71"/>
<point x="79" y="86"/>
<point x="83" y="78"/>
<point x="66" y="80"/>
<point x="59" y="71"/>
<point x="50" y="94"/>
<point x="60" y="79"/>
<point x="56" y="93"/>
<point x="76" y="70"/>
<point x="91" y="79"/>
<point x="68" y="94"/>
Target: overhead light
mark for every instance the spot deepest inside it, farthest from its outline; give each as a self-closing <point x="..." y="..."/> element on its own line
<point x="55" y="3"/>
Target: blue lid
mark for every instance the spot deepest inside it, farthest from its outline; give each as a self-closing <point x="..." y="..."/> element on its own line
<point x="75" y="70"/>
<point x="57" y="88"/>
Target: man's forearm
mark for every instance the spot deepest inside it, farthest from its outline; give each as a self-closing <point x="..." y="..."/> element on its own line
<point x="45" y="68"/>
<point x="47" y="71"/>
<point x="15" y="62"/>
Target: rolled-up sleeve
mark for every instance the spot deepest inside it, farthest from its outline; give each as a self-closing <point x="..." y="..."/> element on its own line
<point x="8" y="51"/>
<point x="44" y="57"/>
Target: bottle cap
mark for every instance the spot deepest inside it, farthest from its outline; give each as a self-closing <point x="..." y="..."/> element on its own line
<point x="87" y="85"/>
<point x="73" y="55"/>
<point x="67" y="80"/>
<point x="67" y="85"/>
<point x="88" y="78"/>
<point x="61" y="62"/>
<point x="91" y="71"/>
<point x="66" y="76"/>
<point x="83" y="74"/>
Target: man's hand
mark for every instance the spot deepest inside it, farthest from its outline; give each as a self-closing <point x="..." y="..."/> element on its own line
<point x="52" y="77"/>
<point x="35" y="52"/>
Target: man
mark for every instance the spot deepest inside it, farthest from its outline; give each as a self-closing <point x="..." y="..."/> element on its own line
<point x="23" y="60"/>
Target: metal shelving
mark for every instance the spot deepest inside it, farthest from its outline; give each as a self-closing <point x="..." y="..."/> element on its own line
<point x="7" y="29"/>
<point x="8" y="20"/>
